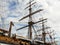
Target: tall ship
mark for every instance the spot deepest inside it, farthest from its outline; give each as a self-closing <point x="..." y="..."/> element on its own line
<point x="41" y="35"/>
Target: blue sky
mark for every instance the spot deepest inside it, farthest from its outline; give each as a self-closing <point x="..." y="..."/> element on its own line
<point x="13" y="10"/>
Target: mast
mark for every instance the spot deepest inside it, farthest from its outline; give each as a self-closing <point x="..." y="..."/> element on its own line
<point x="43" y="31"/>
<point x="30" y="22"/>
<point x="11" y="23"/>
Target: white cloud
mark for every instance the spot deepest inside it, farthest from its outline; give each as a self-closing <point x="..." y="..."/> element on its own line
<point x="11" y="19"/>
<point x="53" y="13"/>
<point x="52" y="8"/>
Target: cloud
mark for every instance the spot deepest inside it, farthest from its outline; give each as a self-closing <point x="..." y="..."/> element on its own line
<point x="12" y="19"/>
<point x="12" y="11"/>
<point x="13" y="4"/>
<point x="53" y="14"/>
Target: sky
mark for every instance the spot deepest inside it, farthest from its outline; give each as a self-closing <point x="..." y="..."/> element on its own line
<point x="13" y="10"/>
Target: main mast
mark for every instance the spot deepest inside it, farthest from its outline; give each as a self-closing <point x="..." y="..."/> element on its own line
<point x="30" y="22"/>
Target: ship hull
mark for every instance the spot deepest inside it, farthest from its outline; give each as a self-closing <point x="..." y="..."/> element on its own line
<point x="14" y="41"/>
